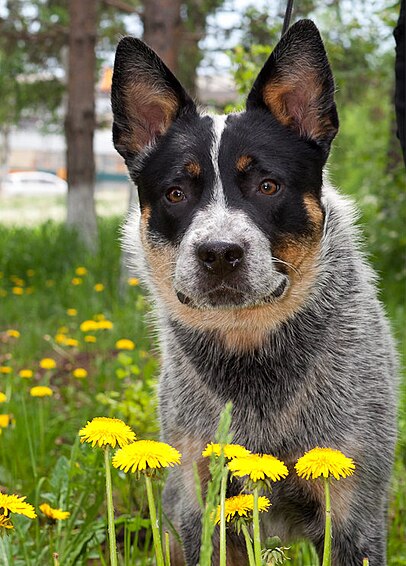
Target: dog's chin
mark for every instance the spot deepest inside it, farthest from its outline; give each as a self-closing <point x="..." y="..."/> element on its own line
<point x="225" y="298"/>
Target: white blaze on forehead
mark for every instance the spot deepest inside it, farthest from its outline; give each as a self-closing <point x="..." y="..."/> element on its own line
<point x="219" y="124"/>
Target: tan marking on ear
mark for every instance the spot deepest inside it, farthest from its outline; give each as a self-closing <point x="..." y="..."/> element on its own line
<point x="150" y="113"/>
<point x="295" y="101"/>
<point x="243" y="162"/>
<point x="193" y="168"/>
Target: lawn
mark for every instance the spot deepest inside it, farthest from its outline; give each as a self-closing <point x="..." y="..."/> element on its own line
<point x="58" y="302"/>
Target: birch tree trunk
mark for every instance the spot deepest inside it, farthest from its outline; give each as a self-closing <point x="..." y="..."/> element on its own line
<point x="80" y="120"/>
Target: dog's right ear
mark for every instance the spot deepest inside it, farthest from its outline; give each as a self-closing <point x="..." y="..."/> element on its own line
<point x="145" y="96"/>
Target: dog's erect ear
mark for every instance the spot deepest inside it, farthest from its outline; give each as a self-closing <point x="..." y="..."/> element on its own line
<point x="145" y="96"/>
<point x="296" y="84"/>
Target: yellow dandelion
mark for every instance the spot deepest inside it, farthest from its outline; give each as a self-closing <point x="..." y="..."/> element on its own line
<point x="47" y="363"/>
<point x="30" y="272"/>
<point x="60" y="338"/>
<point x="71" y="312"/>
<point x="230" y="450"/>
<point x="5" y="421"/>
<point x="99" y="287"/>
<point x="242" y="506"/>
<point x="29" y="290"/>
<point x="90" y="339"/>
<point x="25" y="373"/>
<point x="5" y="522"/>
<point x="79" y="373"/>
<point x="5" y="369"/>
<point x="125" y="344"/>
<point x="324" y="462"/>
<point x="49" y="283"/>
<point x="77" y="281"/>
<point x="146" y="454"/>
<point x="258" y="467"/>
<point x="17" y="291"/>
<point x="3" y="397"/>
<point x="105" y="431"/>
<point x="104" y="325"/>
<point x="63" y="330"/>
<point x="13" y="333"/>
<point x="99" y="316"/>
<point x="89" y="326"/>
<point x="81" y="271"/>
<point x="41" y="391"/>
<point x="72" y="342"/>
<point x="133" y="281"/>
<point x="53" y="514"/>
<point x="16" y="504"/>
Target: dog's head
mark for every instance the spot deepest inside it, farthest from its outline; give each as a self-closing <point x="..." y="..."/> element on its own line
<point x="231" y="213"/>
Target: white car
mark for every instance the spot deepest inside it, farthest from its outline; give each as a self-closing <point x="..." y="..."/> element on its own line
<point x="33" y="182"/>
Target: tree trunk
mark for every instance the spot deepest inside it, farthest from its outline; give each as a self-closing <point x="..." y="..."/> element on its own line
<point x="4" y="152"/>
<point x="80" y="120"/>
<point x="161" y="19"/>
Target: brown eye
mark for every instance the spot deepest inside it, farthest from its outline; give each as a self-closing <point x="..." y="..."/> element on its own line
<point x="269" y="187"/>
<point x="175" y="195"/>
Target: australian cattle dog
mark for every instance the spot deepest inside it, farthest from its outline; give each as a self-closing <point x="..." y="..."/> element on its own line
<point x="261" y="292"/>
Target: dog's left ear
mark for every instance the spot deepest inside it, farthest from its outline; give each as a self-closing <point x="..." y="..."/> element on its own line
<point x="296" y="84"/>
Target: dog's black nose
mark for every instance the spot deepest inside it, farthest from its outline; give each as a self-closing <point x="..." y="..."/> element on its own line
<point x="220" y="258"/>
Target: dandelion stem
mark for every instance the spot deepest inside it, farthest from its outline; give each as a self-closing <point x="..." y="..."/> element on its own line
<point x="28" y="430"/>
<point x="167" y="550"/>
<point x="223" y="489"/>
<point x="327" y="530"/>
<point x="110" y="509"/>
<point x="256" y="532"/>
<point x="248" y="544"/>
<point x="154" y="523"/>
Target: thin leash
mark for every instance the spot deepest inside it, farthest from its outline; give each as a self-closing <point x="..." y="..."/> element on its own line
<point x="288" y="15"/>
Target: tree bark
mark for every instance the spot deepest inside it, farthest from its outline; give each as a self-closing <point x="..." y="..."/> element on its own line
<point x="161" y="19"/>
<point x="4" y="152"/>
<point x="80" y="120"/>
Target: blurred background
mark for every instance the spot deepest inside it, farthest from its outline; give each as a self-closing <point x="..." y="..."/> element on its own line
<point x="64" y="191"/>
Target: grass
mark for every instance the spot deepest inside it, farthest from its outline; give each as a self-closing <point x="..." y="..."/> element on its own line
<point x="40" y="453"/>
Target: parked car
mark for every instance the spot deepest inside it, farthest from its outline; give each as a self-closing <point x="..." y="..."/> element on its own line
<point x="34" y="182"/>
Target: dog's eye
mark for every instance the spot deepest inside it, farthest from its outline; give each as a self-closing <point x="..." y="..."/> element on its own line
<point x="175" y="195"/>
<point x="269" y="187"/>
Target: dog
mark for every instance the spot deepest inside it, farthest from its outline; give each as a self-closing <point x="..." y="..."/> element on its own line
<point x="261" y="291"/>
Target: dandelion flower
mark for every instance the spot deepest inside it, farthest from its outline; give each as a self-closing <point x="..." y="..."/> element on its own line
<point x="104" y="325"/>
<point x="47" y="363"/>
<point x="125" y="344"/>
<point x="60" y="338"/>
<point x="258" y="467"/>
<point x="5" y="522"/>
<point x="4" y="421"/>
<point x="41" y="391"/>
<point x="30" y="272"/>
<point x="17" y="291"/>
<point x="3" y="397"/>
<point x="13" y="333"/>
<point x="63" y="330"/>
<point x="79" y="373"/>
<point x="49" y="283"/>
<point x="133" y="281"/>
<point x="146" y="454"/>
<point x="88" y="326"/>
<point x="230" y="450"/>
<point x="29" y="290"/>
<point x="324" y="462"/>
<point x="72" y="342"/>
<point x="105" y="431"/>
<point x="54" y="514"/>
<point x="242" y="505"/>
<point x="99" y="287"/>
<point x="81" y="271"/>
<point x="16" y="504"/>
<point x="25" y="373"/>
<point x="90" y="339"/>
<point x="71" y="312"/>
<point x="77" y="281"/>
<point x="5" y="369"/>
<point x="99" y="316"/>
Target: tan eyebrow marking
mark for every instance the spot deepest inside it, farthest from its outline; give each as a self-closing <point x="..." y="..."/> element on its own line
<point x="193" y="168"/>
<point x="243" y="162"/>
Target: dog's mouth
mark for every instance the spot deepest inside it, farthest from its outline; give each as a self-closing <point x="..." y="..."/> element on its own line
<point x="224" y="297"/>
